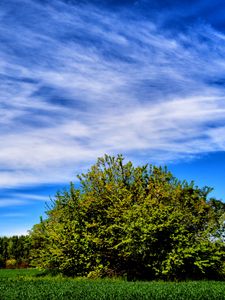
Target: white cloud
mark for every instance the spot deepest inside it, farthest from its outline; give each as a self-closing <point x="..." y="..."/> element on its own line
<point x="75" y="90"/>
<point x="13" y="215"/>
<point x="19" y="198"/>
<point x="11" y="231"/>
<point x="31" y="197"/>
<point x="11" y="202"/>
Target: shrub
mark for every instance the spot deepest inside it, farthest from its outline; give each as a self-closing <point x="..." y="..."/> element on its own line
<point x="11" y="263"/>
<point x="138" y="222"/>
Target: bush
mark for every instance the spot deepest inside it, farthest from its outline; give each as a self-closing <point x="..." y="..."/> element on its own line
<point x="139" y="222"/>
<point x="11" y="263"/>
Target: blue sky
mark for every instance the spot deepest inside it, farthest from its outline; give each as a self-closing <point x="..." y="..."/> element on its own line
<point x="83" y="78"/>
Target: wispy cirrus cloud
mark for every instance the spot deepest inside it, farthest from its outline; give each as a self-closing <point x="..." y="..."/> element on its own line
<point x="78" y="82"/>
<point x="13" y="215"/>
<point x="11" y="202"/>
<point x="21" y="199"/>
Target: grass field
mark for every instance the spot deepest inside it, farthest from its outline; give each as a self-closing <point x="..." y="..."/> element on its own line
<point x="29" y="285"/>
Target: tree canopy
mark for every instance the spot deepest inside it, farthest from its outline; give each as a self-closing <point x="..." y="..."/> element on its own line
<point x="132" y="221"/>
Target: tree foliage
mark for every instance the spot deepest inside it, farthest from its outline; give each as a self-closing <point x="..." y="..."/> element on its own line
<point x="138" y="222"/>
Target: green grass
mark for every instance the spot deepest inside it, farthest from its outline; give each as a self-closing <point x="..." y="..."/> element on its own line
<point x="29" y="285"/>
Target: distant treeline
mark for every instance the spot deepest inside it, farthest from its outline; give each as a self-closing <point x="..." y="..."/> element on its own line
<point x="15" y="251"/>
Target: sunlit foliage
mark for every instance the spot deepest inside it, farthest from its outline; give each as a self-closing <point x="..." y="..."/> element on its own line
<point x="132" y="221"/>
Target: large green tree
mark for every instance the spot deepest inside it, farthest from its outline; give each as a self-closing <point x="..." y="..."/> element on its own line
<point x="139" y="222"/>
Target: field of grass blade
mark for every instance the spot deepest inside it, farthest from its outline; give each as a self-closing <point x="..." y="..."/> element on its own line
<point x="30" y="285"/>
